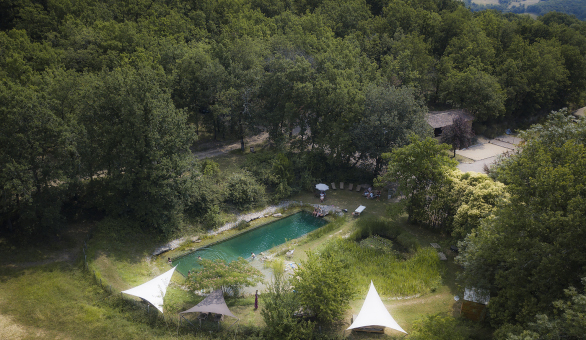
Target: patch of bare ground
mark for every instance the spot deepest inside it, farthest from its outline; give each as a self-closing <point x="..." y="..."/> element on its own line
<point x="10" y="329"/>
<point x="217" y="148"/>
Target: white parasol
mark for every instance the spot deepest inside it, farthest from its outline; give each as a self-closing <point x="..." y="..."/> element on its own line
<point x="322" y="187"/>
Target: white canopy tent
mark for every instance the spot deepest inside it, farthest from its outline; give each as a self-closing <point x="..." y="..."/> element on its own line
<point x="374" y="313"/>
<point x="154" y="290"/>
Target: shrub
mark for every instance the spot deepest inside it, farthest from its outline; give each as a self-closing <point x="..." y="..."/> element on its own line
<point x="408" y="241"/>
<point x="242" y="225"/>
<point x="323" y="286"/>
<point x="210" y="168"/>
<point x="370" y="226"/>
<point x="244" y="192"/>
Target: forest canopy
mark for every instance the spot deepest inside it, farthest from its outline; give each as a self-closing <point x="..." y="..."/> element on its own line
<point x="102" y="100"/>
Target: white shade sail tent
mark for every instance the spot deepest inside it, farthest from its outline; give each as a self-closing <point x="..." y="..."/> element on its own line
<point x="154" y="290"/>
<point x="374" y="313"/>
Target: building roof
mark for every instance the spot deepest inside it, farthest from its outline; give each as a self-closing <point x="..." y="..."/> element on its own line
<point x="439" y="119"/>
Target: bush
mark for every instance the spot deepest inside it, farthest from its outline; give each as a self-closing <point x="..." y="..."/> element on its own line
<point x="370" y="226"/>
<point x="408" y="241"/>
<point x="242" y="225"/>
<point x="244" y="192"/>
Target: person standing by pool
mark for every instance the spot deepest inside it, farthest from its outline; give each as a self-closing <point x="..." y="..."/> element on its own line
<point x="256" y="300"/>
<point x="252" y="255"/>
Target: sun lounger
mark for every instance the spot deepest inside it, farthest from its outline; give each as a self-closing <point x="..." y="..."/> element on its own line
<point x="333" y="186"/>
<point x="351" y="186"/>
<point x="341" y="185"/>
<point x="358" y="210"/>
<point x="358" y="186"/>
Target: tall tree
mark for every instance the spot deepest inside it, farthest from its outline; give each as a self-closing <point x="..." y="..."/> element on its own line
<point x="421" y="169"/>
<point x="391" y="115"/>
<point x="458" y="135"/>
<point x="532" y="248"/>
<point x="143" y="142"/>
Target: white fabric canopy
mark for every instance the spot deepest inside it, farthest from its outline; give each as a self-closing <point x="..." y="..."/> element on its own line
<point x="322" y="187"/>
<point x="213" y="303"/>
<point x="374" y="313"/>
<point x="154" y="290"/>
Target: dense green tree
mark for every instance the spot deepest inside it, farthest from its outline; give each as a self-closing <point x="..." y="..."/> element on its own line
<point x="421" y="170"/>
<point x="568" y="321"/>
<point x="143" y="142"/>
<point x="531" y="248"/>
<point x="391" y="115"/>
<point x="279" y="305"/>
<point x="323" y="287"/>
<point x="34" y="161"/>
<point x="475" y="90"/>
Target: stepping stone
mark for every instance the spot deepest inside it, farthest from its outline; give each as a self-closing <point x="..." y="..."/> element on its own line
<point x="442" y="256"/>
<point x="333" y="186"/>
<point x="435" y="245"/>
<point x="341" y="185"/>
<point x="351" y="186"/>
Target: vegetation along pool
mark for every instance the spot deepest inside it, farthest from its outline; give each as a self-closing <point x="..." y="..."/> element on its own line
<point x="257" y="240"/>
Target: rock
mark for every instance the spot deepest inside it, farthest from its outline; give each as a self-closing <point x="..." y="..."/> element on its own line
<point x="277" y="215"/>
<point x="195" y="239"/>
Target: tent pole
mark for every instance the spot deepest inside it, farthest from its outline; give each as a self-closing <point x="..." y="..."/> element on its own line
<point x="233" y="323"/>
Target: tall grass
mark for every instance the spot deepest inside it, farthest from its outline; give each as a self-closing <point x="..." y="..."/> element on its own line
<point x="326" y="229"/>
<point x="389" y="229"/>
<point x="392" y="276"/>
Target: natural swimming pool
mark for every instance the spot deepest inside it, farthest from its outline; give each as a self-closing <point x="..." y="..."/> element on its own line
<point x="257" y="240"/>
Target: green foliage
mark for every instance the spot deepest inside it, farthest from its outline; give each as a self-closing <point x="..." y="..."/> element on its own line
<point x="210" y="168"/>
<point x="369" y="226"/>
<point x="421" y="169"/>
<point x="475" y="197"/>
<point x="393" y="276"/>
<point x="242" y="225"/>
<point x="217" y="274"/>
<point x="567" y="322"/>
<point x="243" y="191"/>
<point x="391" y="116"/>
<point x="279" y="304"/>
<point x="530" y="250"/>
<point x="475" y="90"/>
<point x="438" y="327"/>
<point x="323" y="286"/>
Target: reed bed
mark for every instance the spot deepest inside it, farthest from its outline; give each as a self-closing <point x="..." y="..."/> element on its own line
<point x="392" y="275"/>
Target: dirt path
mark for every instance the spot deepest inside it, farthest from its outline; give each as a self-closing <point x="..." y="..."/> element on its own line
<point x="217" y="148"/>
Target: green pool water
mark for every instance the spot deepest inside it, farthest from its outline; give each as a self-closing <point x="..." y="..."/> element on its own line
<point x="257" y="240"/>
